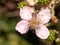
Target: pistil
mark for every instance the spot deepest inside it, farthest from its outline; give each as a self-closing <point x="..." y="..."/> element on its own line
<point x="34" y="23"/>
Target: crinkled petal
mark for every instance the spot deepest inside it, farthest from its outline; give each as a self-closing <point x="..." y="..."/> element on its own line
<point x="44" y="16"/>
<point x="22" y="26"/>
<point x="32" y="2"/>
<point x="26" y="13"/>
<point x="42" y="32"/>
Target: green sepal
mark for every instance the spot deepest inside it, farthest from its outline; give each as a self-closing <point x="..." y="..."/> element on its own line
<point x="42" y="2"/>
<point x="52" y="35"/>
<point x="21" y="4"/>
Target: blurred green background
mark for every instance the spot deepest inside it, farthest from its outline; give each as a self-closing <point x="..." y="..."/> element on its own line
<point x="9" y="16"/>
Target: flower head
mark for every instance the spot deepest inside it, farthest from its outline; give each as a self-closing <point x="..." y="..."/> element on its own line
<point x="35" y="22"/>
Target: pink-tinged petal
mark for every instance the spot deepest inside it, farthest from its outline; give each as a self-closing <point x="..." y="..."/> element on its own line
<point x="26" y="13"/>
<point x="22" y="26"/>
<point x="42" y="32"/>
<point x="44" y="16"/>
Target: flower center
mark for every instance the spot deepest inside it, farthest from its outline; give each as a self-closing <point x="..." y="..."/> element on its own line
<point x="34" y="23"/>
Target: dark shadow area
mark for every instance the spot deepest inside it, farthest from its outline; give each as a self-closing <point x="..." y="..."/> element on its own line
<point x="57" y="10"/>
<point x="31" y="37"/>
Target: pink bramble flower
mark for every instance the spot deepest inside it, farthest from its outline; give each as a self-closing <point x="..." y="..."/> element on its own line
<point x="35" y="22"/>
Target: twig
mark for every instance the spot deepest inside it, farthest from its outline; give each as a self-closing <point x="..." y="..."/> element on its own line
<point x="52" y="6"/>
<point x="57" y="1"/>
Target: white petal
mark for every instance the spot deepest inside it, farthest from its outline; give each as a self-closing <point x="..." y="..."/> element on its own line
<point x="22" y="26"/>
<point x="26" y="13"/>
<point x="42" y="32"/>
<point x="44" y="16"/>
<point x="32" y="2"/>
